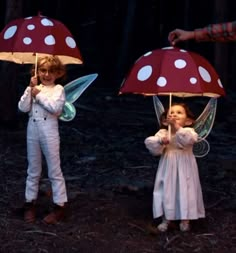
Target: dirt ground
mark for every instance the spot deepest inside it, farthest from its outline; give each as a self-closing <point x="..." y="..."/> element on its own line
<point x="110" y="176"/>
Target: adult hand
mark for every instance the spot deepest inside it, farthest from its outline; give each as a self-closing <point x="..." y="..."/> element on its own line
<point x="178" y="35"/>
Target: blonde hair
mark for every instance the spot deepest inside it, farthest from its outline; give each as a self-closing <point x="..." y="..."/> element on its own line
<point x="55" y="65"/>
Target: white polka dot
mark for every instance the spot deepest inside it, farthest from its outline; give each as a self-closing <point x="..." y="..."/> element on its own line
<point x="31" y="27"/>
<point x="70" y="42"/>
<point x="193" y="80"/>
<point x="144" y="73"/>
<point x="220" y="84"/>
<point x="161" y="81"/>
<point x="10" y="32"/>
<point x="50" y="40"/>
<point x="180" y="64"/>
<point x="204" y="74"/>
<point x="164" y="48"/>
<point x="182" y="50"/>
<point x="27" y="40"/>
<point x="46" y="22"/>
<point x="148" y="53"/>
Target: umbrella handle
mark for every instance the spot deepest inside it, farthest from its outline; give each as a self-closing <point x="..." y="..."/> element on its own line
<point x="169" y="126"/>
<point x="36" y="62"/>
<point x="169" y="132"/>
<point x="35" y="69"/>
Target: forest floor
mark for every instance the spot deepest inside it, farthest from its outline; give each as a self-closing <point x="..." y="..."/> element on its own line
<point x="110" y="176"/>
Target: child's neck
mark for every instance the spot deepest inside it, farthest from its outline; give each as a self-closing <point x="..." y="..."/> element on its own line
<point x="48" y="84"/>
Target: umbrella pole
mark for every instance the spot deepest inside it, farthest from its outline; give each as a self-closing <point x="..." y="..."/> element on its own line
<point x="169" y="126"/>
<point x="36" y="62"/>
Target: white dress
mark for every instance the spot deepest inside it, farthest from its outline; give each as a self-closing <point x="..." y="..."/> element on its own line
<point x="177" y="191"/>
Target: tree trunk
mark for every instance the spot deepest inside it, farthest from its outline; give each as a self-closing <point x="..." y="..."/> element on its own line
<point x="9" y="71"/>
<point x="126" y="42"/>
<point x="221" y="49"/>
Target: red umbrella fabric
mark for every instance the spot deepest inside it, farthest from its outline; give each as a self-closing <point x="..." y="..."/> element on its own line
<point x="23" y="38"/>
<point x="173" y="71"/>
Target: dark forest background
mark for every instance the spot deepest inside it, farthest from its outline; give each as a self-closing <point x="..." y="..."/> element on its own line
<point x="112" y="35"/>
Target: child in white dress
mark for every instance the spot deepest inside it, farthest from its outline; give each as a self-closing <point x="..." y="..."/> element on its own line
<point x="44" y="103"/>
<point x="177" y="191"/>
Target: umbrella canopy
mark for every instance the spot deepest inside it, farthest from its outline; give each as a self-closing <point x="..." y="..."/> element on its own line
<point x="25" y="38"/>
<point x="173" y="71"/>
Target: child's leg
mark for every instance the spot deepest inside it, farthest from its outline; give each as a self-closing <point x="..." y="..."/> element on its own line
<point x="51" y="150"/>
<point x="34" y="170"/>
<point x="52" y="155"/>
<point x="50" y="144"/>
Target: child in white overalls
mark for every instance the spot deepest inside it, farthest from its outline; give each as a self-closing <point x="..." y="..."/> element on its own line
<point x="44" y="103"/>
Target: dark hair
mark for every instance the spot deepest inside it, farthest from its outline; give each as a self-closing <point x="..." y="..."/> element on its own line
<point x="189" y="114"/>
<point x="162" y="120"/>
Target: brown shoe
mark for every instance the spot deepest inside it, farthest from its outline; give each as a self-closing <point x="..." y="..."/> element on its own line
<point x="57" y="215"/>
<point x="29" y="212"/>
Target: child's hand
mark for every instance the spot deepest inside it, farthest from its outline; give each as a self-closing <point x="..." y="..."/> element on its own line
<point x="34" y="91"/>
<point x="33" y="81"/>
<point x="171" y="120"/>
<point x="165" y="141"/>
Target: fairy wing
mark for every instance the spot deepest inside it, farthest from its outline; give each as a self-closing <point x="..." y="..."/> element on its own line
<point x="202" y="125"/>
<point x="73" y="91"/>
<point x="159" y="108"/>
<point x="68" y="112"/>
<point x="201" y="148"/>
<point x="205" y="121"/>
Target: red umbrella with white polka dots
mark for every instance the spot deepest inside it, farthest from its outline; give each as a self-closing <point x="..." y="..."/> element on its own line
<point x="173" y="71"/>
<point x="24" y="39"/>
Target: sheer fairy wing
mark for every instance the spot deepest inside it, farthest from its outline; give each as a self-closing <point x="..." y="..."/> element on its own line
<point x="73" y="91"/>
<point x="159" y="108"/>
<point x="75" y="88"/>
<point x="205" y="121"/>
<point x="203" y="126"/>
<point x="201" y="148"/>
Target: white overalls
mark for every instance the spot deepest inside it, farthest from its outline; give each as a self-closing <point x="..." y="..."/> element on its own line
<point x="43" y="137"/>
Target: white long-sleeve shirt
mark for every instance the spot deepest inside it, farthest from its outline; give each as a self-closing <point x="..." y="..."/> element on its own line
<point x="48" y="102"/>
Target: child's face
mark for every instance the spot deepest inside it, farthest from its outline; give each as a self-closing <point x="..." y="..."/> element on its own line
<point x="47" y="74"/>
<point x="178" y="113"/>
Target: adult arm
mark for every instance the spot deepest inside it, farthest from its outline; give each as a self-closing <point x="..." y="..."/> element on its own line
<point x="221" y="32"/>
